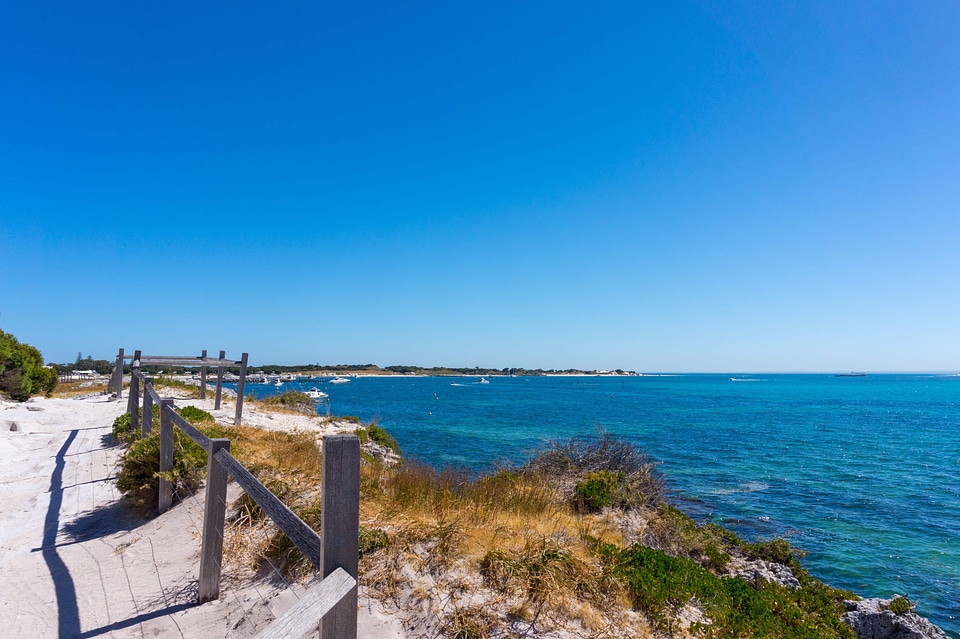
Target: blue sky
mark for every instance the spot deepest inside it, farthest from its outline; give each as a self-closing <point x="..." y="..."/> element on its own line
<point x="694" y="187"/>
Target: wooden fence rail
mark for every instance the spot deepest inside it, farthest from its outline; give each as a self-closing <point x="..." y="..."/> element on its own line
<point x="335" y="553"/>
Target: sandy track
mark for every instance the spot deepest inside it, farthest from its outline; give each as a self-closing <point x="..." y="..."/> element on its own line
<point x="76" y="563"/>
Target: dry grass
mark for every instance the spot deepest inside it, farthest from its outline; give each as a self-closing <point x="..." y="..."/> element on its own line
<point x="456" y="555"/>
<point x="67" y="390"/>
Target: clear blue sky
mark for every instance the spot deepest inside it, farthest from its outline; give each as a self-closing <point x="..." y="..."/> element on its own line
<point x="705" y="186"/>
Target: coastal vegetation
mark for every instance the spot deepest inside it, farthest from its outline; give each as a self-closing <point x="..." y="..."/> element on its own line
<point x="22" y="373"/>
<point x="580" y="537"/>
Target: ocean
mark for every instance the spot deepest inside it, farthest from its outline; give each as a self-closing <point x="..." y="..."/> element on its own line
<point x="863" y="473"/>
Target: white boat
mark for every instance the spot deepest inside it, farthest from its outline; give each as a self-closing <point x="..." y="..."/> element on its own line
<point x="316" y="393"/>
<point x="277" y="382"/>
<point x="483" y="380"/>
<point x="340" y="380"/>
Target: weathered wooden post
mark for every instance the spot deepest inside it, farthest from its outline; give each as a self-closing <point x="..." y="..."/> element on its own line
<point x="340" y="528"/>
<point x="147" y="424"/>
<point x="240" y="388"/>
<point x="119" y="379"/>
<point x="203" y="374"/>
<point x="166" y="454"/>
<point x="214" y="513"/>
<point x="133" y="402"/>
<point x="216" y="405"/>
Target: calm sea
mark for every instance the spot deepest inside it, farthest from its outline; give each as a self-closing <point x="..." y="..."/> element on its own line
<point x="861" y="472"/>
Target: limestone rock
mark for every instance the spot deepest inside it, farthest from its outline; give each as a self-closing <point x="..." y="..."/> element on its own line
<point x="872" y="619"/>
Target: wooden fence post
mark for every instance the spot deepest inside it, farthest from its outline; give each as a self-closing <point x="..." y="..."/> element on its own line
<point x="119" y="385"/>
<point x="146" y="424"/>
<point x="214" y="512"/>
<point x="203" y="375"/>
<point x="133" y="402"/>
<point x="240" y="388"/>
<point x="216" y="405"/>
<point x="340" y="528"/>
<point x="166" y="455"/>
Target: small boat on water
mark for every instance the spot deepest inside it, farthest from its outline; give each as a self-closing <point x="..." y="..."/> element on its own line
<point x="483" y="380"/>
<point x="315" y="394"/>
<point x="339" y="380"/>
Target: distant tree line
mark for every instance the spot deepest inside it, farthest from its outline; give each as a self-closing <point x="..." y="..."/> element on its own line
<point x="22" y="372"/>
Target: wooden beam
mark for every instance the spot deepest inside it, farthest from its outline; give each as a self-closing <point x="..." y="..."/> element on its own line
<point x="202" y="440"/>
<point x="305" y="538"/>
<point x="313" y="605"/>
<point x="340" y="524"/>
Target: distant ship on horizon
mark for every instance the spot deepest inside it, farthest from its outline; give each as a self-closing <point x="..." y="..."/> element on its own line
<point x="851" y="374"/>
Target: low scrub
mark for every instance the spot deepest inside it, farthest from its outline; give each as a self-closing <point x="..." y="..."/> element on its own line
<point x="294" y="401"/>
<point x="608" y="471"/>
<point x="660" y="585"/>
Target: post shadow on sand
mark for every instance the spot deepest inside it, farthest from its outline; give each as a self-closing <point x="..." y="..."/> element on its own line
<point x="68" y="614"/>
<point x="98" y="523"/>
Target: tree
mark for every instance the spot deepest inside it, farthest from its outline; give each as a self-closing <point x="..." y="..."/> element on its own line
<point x="22" y="372"/>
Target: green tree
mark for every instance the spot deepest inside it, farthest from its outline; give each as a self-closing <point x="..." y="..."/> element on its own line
<point x="22" y="372"/>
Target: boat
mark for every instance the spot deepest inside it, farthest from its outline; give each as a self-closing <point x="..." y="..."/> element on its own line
<point x="850" y="375"/>
<point x="315" y="393"/>
<point x="483" y="380"/>
<point x="339" y="380"/>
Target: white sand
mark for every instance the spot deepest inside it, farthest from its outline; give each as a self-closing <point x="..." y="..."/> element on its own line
<point x="76" y="563"/>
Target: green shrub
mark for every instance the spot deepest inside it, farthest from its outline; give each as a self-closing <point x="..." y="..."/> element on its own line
<point x="597" y="491"/>
<point x="194" y="415"/>
<point x="123" y="431"/>
<point x="138" y="474"/>
<point x="382" y="437"/>
<point x="660" y="584"/>
<point x="899" y="605"/>
<point x="22" y="373"/>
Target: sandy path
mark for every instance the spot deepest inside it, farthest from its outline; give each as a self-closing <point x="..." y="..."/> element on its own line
<point x="76" y="563"/>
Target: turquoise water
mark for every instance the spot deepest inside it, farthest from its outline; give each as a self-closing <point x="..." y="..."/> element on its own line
<point x="861" y="472"/>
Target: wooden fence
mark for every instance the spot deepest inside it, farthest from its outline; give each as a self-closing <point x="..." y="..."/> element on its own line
<point x="203" y="362"/>
<point x="335" y="553"/>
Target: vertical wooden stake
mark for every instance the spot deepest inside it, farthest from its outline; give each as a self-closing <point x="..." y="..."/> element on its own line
<point x="166" y="454"/>
<point x="133" y="402"/>
<point x="147" y="423"/>
<point x="240" y="388"/>
<point x="203" y="375"/>
<point x="340" y="528"/>
<point x="216" y="405"/>
<point x="119" y="384"/>
<point x="214" y="513"/>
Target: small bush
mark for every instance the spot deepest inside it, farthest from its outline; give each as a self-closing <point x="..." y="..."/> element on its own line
<point x="638" y="482"/>
<point x="138" y="475"/>
<point x="597" y="491"/>
<point x="123" y="431"/>
<point x="899" y="605"/>
<point x="378" y="435"/>
<point x="294" y="401"/>
<point x="195" y="416"/>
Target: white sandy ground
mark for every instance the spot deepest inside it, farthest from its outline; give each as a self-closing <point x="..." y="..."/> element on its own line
<point x="76" y="563"/>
